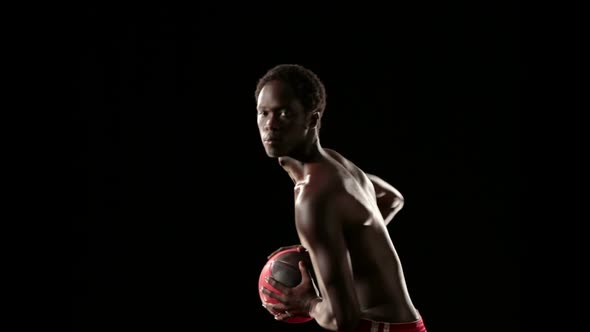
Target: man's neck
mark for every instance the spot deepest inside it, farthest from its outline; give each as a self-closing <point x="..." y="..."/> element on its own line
<point x="296" y="165"/>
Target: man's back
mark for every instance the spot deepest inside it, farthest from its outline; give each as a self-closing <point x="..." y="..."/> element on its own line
<point x="378" y="276"/>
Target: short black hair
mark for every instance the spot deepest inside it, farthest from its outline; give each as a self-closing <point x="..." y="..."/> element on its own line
<point x="307" y="86"/>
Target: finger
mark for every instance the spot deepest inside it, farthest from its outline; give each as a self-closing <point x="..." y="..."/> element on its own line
<point x="283" y="315"/>
<point x="274" y="308"/>
<point x="269" y="308"/>
<point x="273" y="295"/>
<point x="277" y="285"/>
<point x="304" y="273"/>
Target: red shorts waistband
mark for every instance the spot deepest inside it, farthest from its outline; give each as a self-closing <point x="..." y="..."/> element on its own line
<point x="366" y="325"/>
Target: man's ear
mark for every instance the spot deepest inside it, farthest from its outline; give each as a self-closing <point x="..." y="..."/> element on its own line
<point x="314" y="120"/>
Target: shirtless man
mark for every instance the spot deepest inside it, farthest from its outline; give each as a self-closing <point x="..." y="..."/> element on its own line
<point x="341" y="214"/>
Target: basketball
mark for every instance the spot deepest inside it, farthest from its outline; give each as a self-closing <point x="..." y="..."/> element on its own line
<point x="283" y="267"/>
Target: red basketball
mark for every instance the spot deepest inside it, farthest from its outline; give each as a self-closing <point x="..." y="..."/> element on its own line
<point x="283" y="267"/>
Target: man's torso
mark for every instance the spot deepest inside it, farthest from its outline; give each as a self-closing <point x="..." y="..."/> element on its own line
<point x="378" y="275"/>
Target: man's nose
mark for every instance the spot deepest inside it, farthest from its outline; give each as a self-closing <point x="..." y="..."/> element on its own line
<point x="272" y="122"/>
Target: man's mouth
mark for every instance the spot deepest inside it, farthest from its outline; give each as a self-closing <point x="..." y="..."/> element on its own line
<point x="272" y="139"/>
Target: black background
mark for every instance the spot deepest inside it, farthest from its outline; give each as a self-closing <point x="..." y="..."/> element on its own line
<point x="178" y="204"/>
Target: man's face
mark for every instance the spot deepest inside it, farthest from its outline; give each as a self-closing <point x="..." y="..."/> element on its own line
<point x="282" y="120"/>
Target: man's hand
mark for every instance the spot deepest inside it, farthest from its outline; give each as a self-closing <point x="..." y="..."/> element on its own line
<point x="295" y="301"/>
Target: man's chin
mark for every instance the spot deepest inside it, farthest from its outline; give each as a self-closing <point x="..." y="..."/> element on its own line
<point x="274" y="154"/>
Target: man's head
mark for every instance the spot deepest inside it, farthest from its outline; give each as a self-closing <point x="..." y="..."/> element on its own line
<point x="290" y="102"/>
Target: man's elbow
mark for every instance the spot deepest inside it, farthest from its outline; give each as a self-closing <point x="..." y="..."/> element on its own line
<point x="393" y="206"/>
<point x="397" y="203"/>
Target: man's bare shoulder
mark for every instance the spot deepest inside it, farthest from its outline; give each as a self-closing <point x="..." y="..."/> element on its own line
<point x="337" y="156"/>
<point x="327" y="207"/>
<point x="322" y="183"/>
<point x="324" y="192"/>
<point x="319" y="204"/>
<point x="350" y="166"/>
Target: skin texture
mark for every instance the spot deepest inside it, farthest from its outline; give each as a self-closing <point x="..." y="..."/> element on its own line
<point x="341" y="214"/>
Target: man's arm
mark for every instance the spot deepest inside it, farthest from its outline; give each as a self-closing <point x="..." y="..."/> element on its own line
<point x="389" y="199"/>
<point x="320" y="227"/>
